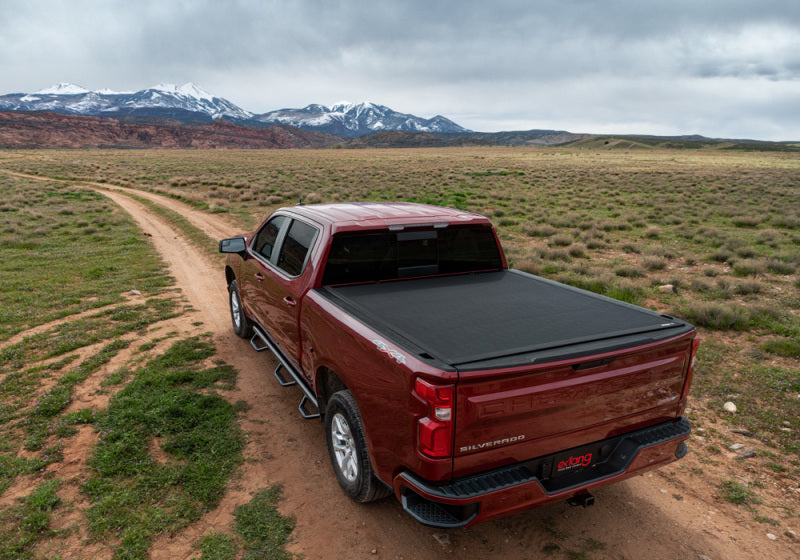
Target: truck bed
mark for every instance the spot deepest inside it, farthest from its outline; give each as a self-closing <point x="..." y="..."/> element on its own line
<point x="499" y="319"/>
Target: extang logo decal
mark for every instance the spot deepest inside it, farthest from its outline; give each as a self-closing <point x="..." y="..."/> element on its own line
<point x="574" y="462"/>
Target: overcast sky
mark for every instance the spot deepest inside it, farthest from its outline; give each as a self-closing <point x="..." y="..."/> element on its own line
<point x="721" y="68"/>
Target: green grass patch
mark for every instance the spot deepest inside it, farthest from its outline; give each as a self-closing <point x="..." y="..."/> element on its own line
<point x="71" y="335"/>
<point x="607" y="286"/>
<point x="765" y="396"/>
<point x="23" y="524"/>
<point x="787" y="347"/>
<point x="44" y="232"/>
<point x="264" y="530"/>
<point x="39" y="424"/>
<point x="218" y="546"/>
<point x="167" y="403"/>
<point x="737" y="493"/>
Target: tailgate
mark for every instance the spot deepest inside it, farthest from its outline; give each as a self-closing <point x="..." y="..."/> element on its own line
<point x="510" y="416"/>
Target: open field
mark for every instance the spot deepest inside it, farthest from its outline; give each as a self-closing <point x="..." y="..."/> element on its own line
<point x="89" y="312"/>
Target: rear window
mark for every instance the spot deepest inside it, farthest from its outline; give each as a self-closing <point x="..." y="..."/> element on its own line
<point x="386" y="255"/>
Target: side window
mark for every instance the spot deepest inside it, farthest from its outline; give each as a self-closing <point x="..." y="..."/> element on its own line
<point x="295" y="248"/>
<point x="265" y="239"/>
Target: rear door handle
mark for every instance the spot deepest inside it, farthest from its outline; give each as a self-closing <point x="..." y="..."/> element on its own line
<point x="259" y="276"/>
<point x="289" y="301"/>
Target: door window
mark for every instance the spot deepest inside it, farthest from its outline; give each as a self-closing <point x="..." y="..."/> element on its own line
<point x="295" y="248"/>
<point x="266" y="239"/>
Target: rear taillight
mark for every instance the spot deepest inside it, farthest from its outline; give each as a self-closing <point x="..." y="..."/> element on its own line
<point x="690" y="373"/>
<point x="435" y="431"/>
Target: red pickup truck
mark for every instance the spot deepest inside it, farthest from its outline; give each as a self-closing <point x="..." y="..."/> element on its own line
<point x="469" y="390"/>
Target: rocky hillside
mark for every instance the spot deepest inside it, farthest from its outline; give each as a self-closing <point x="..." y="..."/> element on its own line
<point x="44" y="129"/>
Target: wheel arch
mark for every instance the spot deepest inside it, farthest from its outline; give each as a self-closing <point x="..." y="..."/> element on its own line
<point x="327" y="382"/>
<point x="230" y="276"/>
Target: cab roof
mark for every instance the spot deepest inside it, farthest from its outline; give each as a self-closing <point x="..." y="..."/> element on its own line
<point x="381" y="215"/>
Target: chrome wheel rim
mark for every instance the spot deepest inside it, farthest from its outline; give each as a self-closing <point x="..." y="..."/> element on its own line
<point x="344" y="447"/>
<point x="236" y="310"/>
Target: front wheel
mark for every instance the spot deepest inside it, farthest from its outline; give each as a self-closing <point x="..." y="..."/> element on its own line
<point x="241" y="324"/>
<point x="347" y="447"/>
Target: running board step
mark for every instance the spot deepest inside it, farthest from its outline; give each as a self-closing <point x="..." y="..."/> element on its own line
<point x="256" y="338"/>
<point x="304" y="412"/>
<point x="282" y="381"/>
<point x="308" y="403"/>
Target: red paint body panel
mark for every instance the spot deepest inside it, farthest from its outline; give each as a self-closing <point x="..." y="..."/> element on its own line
<point x="554" y="407"/>
<point x="501" y="417"/>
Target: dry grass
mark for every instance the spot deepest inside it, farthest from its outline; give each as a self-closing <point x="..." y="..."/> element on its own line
<point x="722" y="227"/>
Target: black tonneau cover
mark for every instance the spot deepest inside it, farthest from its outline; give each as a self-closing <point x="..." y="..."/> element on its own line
<point x="499" y="319"/>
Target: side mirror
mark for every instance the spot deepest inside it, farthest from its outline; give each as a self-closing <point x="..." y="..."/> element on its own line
<point x="233" y="245"/>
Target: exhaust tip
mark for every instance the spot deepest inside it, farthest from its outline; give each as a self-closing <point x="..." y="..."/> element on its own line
<point x="681" y="450"/>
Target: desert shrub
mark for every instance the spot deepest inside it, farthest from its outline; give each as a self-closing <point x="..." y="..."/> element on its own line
<point x="778" y="266"/>
<point x="606" y="285"/>
<point x="746" y="252"/>
<point x="723" y="289"/>
<point x="660" y="251"/>
<point x="787" y="347"/>
<point x="556" y="255"/>
<point x="652" y="232"/>
<point x="773" y="318"/>
<point x="628" y="292"/>
<point x="544" y="230"/>
<point x="582" y="269"/>
<point x="788" y="222"/>
<point x="720" y="256"/>
<point x="720" y="290"/>
<point x="749" y="267"/>
<point x="561" y="240"/>
<point x="767" y="237"/>
<point x="567" y="220"/>
<point x="654" y="263"/>
<point x="717" y="316"/>
<point x="746" y="221"/>
<point x="529" y="265"/>
<point x="709" y="236"/>
<point x="747" y="287"/>
<point x="627" y="271"/>
<point x="631" y="248"/>
<point x="578" y="250"/>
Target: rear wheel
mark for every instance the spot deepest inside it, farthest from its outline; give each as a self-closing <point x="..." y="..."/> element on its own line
<point x="347" y="447"/>
<point x="241" y="324"/>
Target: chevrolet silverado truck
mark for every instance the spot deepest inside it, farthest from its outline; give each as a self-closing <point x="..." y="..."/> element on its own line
<point x="469" y="390"/>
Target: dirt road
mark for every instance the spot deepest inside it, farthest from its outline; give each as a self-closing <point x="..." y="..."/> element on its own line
<point x="669" y="514"/>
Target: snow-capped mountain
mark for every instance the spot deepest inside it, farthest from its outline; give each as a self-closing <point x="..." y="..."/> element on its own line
<point x="186" y="103"/>
<point x="350" y="119"/>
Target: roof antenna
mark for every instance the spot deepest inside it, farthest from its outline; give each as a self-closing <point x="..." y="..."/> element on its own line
<point x="300" y="202"/>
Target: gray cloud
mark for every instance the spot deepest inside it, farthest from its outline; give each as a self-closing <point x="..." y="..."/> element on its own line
<point x="719" y="68"/>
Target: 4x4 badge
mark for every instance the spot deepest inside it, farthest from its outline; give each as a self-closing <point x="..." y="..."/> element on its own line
<point x="383" y="347"/>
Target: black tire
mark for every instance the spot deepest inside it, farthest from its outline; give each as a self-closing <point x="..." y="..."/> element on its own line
<point x="241" y="324"/>
<point x="347" y="447"/>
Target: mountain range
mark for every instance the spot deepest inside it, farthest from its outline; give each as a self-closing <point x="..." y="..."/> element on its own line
<point x="169" y="116"/>
<point x="191" y="105"/>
